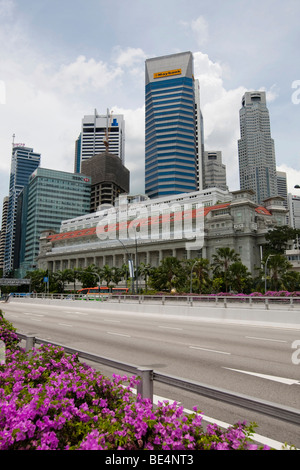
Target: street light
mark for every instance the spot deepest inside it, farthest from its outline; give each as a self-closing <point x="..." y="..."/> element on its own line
<point x="191" y="282"/>
<point x="266" y="271"/>
<point x="130" y="264"/>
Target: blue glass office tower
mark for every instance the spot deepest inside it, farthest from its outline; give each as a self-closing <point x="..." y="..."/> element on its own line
<point x="170" y="130"/>
<point x="23" y="163"/>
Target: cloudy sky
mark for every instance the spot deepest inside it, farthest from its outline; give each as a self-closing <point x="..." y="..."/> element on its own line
<point x="61" y="59"/>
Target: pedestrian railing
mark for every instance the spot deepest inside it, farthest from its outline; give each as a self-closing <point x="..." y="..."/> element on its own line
<point x="148" y="376"/>
<point x="190" y="300"/>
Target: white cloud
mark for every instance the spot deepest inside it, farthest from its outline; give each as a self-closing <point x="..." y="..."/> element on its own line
<point x="80" y="75"/>
<point x="6" y="8"/>
<point x="293" y="177"/>
<point x="198" y="28"/>
<point x="128" y="57"/>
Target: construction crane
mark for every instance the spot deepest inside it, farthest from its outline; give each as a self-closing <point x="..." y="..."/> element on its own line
<point x="108" y="128"/>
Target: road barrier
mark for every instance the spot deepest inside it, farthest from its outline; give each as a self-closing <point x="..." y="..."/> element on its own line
<point x="148" y="376"/>
<point x="189" y="299"/>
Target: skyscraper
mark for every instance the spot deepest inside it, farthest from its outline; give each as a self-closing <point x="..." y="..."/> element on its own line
<point x="94" y="130"/>
<point x="23" y="163"/>
<point x="282" y="186"/>
<point x="214" y="171"/>
<point x="109" y="178"/>
<point x="3" y="231"/>
<point x="50" y="197"/>
<point x="199" y="137"/>
<point x="170" y="134"/>
<point x="257" y="165"/>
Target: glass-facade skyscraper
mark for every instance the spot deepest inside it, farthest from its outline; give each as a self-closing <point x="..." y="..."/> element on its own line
<point x="23" y="163"/>
<point x="257" y="165"/>
<point x="170" y="130"/>
<point x="51" y="197"/>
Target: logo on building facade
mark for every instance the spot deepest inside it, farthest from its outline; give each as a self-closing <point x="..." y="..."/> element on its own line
<point x="168" y="73"/>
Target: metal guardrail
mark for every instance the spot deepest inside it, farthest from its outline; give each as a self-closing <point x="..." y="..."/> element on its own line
<point x="190" y="300"/>
<point x="148" y="376"/>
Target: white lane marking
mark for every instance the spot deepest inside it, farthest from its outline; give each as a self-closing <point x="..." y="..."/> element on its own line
<point x="79" y="313"/>
<point x="268" y="377"/>
<point x="169" y="327"/>
<point x="33" y="314"/>
<point x="65" y="324"/>
<point x="117" y="334"/>
<point x="113" y="321"/>
<point x="266" y="339"/>
<point x="209" y="350"/>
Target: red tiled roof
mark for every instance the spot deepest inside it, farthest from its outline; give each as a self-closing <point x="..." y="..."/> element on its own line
<point x="262" y="210"/>
<point x="74" y="234"/>
<point x="93" y="230"/>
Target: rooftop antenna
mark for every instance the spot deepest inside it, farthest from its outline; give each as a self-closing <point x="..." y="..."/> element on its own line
<point x="108" y="127"/>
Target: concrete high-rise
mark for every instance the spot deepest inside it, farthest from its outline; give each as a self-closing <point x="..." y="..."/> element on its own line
<point x="94" y="132"/>
<point x="3" y="230"/>
<point x="214" y="171"/>
<point x="170" y="131"/>
<point x="109" y="179"/>
<point x="23" y="163"/>
<point x="199" y="137"/>
<point x="257" y="165"/>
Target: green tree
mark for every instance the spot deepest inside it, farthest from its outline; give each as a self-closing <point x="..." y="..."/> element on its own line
<point x="279" y="238"/>
<point x="222" y="260"/>
<point x="145" y="272"/>
<point x="198" y="271"/>
<point x="117" y="275"/>
<point x="239" y="277"/>
<point x="63" y="277"/>
<point x="278" y="267"/>
<point x="88" y="276"/>
<point x="169" y="275"/>
<point x="107" y="274"/>
<point x="37" y="279"/>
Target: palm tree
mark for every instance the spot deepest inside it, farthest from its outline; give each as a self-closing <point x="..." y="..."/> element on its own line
<point x="62" y="277"/>
<point x="145" y="272"/>
<point x="278" y="267"/>
<point x="223" y="258"/>
<point x="239" y="276"/>
<point x="170" y="274"/>
<point x="117" y="275"/>
<point x="200" y="269"/>
<point x="88" y="276"/>
<point x="107" y="274"/>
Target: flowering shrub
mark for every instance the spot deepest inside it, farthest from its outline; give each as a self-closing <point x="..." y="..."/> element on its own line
<point x="51" y="401"/>
<point x="8" y="333"/>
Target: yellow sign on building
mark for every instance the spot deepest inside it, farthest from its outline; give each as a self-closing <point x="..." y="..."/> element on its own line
<point x="168" y="73"/>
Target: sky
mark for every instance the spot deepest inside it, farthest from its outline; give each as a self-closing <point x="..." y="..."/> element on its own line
<point x="61" y="60"/>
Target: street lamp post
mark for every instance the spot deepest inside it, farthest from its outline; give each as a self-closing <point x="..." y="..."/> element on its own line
<point x="191" y="279"/>
<point x="130" y="265"/>
<point x="266" y="271"/>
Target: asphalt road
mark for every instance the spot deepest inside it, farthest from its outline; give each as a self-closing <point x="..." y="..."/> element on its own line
<point x="248" y="359"/>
